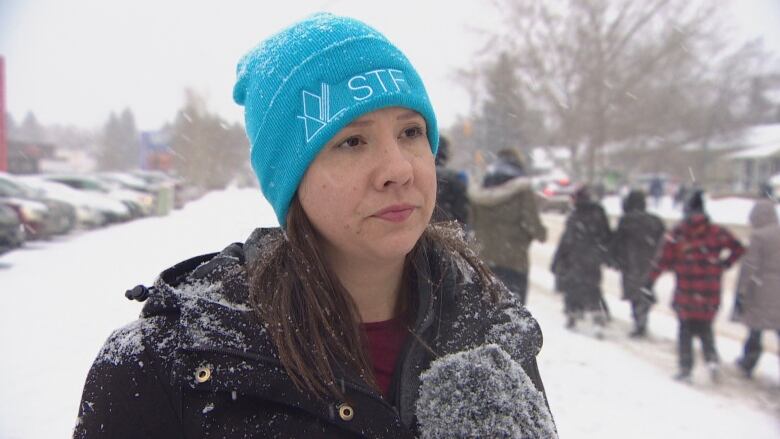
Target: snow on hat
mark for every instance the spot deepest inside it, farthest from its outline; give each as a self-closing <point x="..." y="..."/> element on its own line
<point x="302" y="85"/>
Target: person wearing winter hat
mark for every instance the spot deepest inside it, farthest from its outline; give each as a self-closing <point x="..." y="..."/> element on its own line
<point x="577" y="262"/>
<point x="506" y="219"/>
<point x="321" y="327"/>
<point x="632" y="250"/>
<point x="757" y="302"/>
<point x="694" y="205"/>
<point x="698" y="252"/>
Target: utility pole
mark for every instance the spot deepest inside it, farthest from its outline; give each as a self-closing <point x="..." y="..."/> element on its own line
<point x="3" y="133"/>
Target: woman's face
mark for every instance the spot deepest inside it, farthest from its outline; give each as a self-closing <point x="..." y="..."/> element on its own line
<point x="371" y="190"/>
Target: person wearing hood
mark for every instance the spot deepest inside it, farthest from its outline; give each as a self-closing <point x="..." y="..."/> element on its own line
<point x="758" y="288"/>
<point x="694" y="251"/>
<point x="577" y="262"/>
<point x="506" y="219"/>
<point x="632" y="251"/>
<point x="323" y="327"/>
<point x="451" y="200"/>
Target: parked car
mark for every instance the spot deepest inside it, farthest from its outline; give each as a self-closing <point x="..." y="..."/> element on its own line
<point x="182" y="192"/>
<point x="145" y="193"/>
<point x="55" y="217"/>
<point x="138" y="203"/>
<point x="38" y="222"/>
<point x="555" y="194"/>
<point x="11" y="229"/>
<point x="128" y="181"/>
<point x="93" y="209"/>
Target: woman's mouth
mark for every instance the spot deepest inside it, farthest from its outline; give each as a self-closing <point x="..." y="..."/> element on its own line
<point x="396" y="213"/>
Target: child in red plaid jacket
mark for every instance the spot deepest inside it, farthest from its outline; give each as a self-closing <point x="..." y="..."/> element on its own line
<point x="694" y="251"/>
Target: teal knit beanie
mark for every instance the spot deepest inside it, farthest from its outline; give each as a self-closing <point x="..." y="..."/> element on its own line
<point x="307" y="82"/>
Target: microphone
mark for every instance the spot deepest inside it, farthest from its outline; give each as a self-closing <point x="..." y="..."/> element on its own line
<point x="481" y="392"/>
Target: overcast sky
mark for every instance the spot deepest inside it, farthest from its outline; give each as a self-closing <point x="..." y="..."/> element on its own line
<point x="72" y="62"/>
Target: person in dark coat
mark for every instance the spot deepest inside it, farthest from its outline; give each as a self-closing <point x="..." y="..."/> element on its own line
<point x="680" y="195"/>
<point x="698" y="252"/>
<point x="577" y="262"/>
<point x="345" y="320"/>
<point x="758" y="288"/>
<point x="656" y="190"/>
<point x="451" y="200"/>
<point x="506" y="220"/>
<point x="633" y="249"/>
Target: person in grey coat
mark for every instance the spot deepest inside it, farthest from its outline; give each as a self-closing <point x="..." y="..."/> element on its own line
<point x="632" y="250"/>
<point x="506" y="220"/>
<point x="758" y="290"/>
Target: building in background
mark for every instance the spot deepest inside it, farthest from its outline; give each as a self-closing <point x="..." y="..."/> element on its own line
<point x="758" y="159"/>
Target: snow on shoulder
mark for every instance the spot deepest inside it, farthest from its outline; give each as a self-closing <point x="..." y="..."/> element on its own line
<point x="127" y="343"/>
<point x="481" y="392"/>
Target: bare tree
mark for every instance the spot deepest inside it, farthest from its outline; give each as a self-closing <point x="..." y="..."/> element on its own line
<point x="625" y="73"/>
<point x="209" y="151"/>
<point x="119" y="148"/>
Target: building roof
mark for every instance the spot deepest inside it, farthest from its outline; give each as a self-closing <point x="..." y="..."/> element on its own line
<point x="758" y="142"/>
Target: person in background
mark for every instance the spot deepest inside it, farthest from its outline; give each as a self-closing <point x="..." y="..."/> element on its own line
<point x="577" y="262"/>
<point x="506" y="219"/>
<point x="323" y="327"/>
<point x="451" y="200"/>
<point x="656" y="190"/>
<point x="694" y="251"/>
<point x="766" y="190"/>
<point x="681" y="195"/>
<point x="758" y="288"/>
<point x="632" y="251"/>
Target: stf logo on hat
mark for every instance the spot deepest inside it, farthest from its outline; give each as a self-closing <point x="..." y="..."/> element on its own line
<point x="302" y="85"/>
<point x="317" y="110"/>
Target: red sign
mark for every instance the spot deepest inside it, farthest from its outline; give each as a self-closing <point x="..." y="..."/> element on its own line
<point x="3" y="137"/>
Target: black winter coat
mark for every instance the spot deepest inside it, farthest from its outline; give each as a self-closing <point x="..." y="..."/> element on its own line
<point x="199" y="363"/>
<point x="634" y="247"/>
<point x="451" y="197"/>
<point x="582" y="250"/>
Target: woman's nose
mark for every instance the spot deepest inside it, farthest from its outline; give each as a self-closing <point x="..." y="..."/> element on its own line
<point x="393" y="166"/>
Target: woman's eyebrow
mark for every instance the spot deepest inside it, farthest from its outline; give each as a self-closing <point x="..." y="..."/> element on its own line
<point x="408" y="115"/>
<point x="360" y="122"/>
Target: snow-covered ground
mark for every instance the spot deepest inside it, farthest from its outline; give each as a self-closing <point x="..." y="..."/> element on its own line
<point x="61" y="299"/>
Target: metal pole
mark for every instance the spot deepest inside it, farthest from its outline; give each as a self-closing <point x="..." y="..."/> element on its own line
<point x="3" y="133"/>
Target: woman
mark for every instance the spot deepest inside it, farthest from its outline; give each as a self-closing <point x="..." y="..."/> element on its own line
<point x="632" y="251"/>
<point x="343" y="322"/>
<point x="578" y="259"/>
<point x="758" y="290"/>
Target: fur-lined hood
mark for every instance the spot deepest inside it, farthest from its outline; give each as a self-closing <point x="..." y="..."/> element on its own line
<point x="492" y="196"/>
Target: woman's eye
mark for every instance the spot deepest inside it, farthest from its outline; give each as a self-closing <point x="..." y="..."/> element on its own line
<point x="350" y="142"/>
<point x="413" y="132"/>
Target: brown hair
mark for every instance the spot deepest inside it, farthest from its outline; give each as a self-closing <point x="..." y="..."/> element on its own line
<point x="312" y="320"/>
